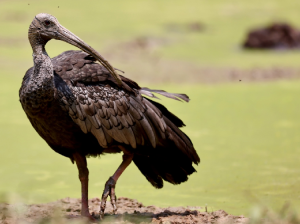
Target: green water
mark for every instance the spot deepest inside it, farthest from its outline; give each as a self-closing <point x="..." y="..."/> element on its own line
<point x="247" y="136"/>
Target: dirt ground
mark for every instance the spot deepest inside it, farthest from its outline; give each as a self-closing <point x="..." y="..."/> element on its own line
<point x="129" y="211"/>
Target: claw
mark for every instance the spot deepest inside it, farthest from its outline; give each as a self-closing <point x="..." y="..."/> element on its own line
<point x="109" y="189"/>
<point x="113" y="200"/>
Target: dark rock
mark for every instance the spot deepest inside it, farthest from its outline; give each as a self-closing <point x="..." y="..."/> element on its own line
<point x="274" y="36"/>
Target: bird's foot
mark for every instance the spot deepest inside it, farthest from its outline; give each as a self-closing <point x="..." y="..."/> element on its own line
<point x="109" y="189"/>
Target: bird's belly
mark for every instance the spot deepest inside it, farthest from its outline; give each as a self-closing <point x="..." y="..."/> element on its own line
<point x="61" y="133"/>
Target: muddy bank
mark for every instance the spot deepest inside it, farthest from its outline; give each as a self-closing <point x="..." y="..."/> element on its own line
<point x="129" y="211"/>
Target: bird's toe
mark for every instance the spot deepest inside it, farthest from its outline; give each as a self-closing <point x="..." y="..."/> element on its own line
<point x="109" y="190"/>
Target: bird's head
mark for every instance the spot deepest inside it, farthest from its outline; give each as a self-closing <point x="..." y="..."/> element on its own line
<point x="45" y="27"/>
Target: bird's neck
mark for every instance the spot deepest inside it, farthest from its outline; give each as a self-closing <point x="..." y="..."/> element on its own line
<point x="36" y="41"/>
<point x="43" y="68"/>
<point x="37" y="89"/>
<point x="41" y="85"/>
<point x="42" y="62"/>
<point x="39" y="49"/>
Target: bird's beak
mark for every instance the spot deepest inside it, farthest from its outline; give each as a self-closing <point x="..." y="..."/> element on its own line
<point x="65" y="35"/>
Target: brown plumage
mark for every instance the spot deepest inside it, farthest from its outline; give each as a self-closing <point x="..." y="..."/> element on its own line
<point x="84" y="108"/>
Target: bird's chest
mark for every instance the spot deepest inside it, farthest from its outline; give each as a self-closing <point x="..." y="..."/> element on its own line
<point x="37" y="95"/>
<point x="55" y="126"/>
<point x="38" y="89"/>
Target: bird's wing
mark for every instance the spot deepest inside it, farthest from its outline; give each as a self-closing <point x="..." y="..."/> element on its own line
<point x="112" y="114"/>
<point x="94" y="102"/>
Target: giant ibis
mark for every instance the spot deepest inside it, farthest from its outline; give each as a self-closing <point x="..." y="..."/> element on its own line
<point x="81" y="106"/>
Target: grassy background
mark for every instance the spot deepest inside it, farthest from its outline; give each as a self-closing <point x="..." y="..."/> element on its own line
<point x="100" y="23"/>
<point x="247" y="135"/>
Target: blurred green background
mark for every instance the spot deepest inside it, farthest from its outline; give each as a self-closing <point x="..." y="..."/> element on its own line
<point x="246" y="133"/>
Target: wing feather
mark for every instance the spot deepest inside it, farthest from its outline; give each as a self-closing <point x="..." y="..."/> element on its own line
<point x="149" y="131"/>
<point x="136" y="115"/>
<point x="94" y="121"/>
<point x="82" y="125"/>
<point x="158" y="122"/>
<point x="123" y="121"/>
<point x="110" y="114"/>
<point x="115" y="121"/>
<point x="130" y="136"/>
<point x="99" y="134"/>
<point x="79" y="113"/>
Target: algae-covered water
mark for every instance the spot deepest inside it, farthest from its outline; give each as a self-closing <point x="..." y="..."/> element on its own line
<point x="247" y="136"/>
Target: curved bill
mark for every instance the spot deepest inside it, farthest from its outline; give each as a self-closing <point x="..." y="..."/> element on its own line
<point x="65" y="35"/>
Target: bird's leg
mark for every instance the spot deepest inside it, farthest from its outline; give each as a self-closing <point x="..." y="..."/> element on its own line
<point x="110" y="185"/>
<point x="84" y="179"/>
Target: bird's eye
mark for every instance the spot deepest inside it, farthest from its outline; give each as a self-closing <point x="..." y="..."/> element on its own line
<point x="47" y="22"/>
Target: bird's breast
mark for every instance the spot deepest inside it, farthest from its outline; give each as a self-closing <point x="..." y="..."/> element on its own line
<point x="57" y="128"/>
<point x="37" y="96"/>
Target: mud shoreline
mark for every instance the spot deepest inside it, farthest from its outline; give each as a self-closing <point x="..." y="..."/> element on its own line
<point x="129" y="211"/>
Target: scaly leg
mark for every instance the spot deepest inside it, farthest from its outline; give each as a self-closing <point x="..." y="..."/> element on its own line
<point x="84" y="179"/>
<point x="111" y="183"/>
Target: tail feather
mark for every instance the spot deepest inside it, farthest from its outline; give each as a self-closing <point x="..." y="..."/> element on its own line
<point x="172" y="117"/>
<point x="164" y="163"/>
<point x="147" y="93"/>
<point x="185" y="146"/>
<point x="181" y="140"/>
<point x="146" y="167"/>
<point x="176" y="96"/>
<point x="172" y="159"/>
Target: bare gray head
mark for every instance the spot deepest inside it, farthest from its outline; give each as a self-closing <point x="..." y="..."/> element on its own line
<point x="45" y="27"/>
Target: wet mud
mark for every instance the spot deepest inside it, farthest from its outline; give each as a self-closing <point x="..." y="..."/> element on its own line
<point x="67" y="210"/>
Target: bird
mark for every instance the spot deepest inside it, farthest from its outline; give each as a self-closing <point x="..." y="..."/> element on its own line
<point x="82" y="107"/>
